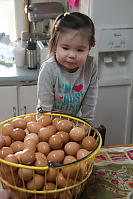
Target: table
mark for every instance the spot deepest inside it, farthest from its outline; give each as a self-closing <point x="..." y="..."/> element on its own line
<point x="112" y="175"/>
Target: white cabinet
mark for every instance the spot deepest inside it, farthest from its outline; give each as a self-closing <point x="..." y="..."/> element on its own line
<point x="113" y="112"/>
<point x="17" y="100"/>
<point x="8" y="102"/>
<point x="27" y="99"/>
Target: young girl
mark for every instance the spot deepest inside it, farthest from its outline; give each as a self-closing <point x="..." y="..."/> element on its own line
<point x="67" y="81"/>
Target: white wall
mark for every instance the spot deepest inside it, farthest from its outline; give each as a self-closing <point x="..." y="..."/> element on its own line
<point x="112" y="13"/>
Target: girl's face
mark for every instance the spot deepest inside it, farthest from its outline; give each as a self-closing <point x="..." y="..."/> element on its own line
<point x="72" y="49"/>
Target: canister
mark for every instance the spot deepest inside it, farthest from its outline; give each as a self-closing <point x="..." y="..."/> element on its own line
<point x="32" y="54"/>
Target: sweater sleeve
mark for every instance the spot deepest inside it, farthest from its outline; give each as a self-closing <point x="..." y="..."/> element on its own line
<point x="45" y="88"/>
<point x="90" y="99"/>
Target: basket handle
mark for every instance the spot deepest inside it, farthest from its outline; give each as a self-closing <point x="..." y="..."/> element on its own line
<point x="54" y="164"/>
<point x="40" y="110"/>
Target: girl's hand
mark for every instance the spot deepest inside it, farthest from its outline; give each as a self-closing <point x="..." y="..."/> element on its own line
<point x="5" y="194"/>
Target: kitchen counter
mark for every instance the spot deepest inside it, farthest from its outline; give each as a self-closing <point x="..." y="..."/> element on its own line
<point x="22" y="75"/>
<point x="16" y="75"/>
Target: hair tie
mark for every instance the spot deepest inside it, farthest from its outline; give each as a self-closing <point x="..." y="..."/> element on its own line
<point x="58" y="22"/>
<point x="66" y="13"/>
<point x="57" y="25"/>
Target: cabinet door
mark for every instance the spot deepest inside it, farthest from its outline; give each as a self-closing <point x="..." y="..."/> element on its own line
<point x="8" y="102"/>
<point x="112" y="112"/>
<point x="27" y="96"/>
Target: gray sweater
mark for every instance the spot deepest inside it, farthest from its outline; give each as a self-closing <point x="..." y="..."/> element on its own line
<point x="73" y="93"/>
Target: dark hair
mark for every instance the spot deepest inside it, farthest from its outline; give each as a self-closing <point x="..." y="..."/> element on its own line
<point x="75" y="21"/>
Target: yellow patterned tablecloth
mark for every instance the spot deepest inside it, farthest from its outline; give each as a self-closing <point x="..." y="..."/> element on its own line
<point x="112" y="176"/>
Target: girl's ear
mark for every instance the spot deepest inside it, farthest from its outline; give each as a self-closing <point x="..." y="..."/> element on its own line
<point x="92" y="45"/>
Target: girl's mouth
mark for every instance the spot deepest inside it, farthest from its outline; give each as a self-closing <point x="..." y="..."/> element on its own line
<point x="73" y="63"/>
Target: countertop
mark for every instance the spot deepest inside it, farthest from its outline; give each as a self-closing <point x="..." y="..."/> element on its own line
<point x="12" y="75"/>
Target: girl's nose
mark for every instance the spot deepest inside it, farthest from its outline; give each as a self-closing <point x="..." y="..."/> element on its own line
<point x="72" y="54"/>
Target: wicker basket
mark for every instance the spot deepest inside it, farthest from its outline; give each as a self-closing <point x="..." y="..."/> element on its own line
<point x="73" y="186"/>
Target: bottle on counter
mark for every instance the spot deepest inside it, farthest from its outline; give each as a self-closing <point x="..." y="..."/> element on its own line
<point x="19" y="53"/>
<point x="32" y="54"/>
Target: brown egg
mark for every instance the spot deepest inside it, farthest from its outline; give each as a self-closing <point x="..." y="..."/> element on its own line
<point x="51" y="174"/>
<point x="44" y="120"/>
<point x="76" y="190"/>
<point x="71" y="148"/>
<point x="40" y="155"/>
<point x="83" y="171"/>
<point x="14" y="179"/>
<point x="4" y="186"/>
<point x="29" y="118"/>
<point x="19" y="123"/>
<point x="43" y="147"/>
<point x="7" y="129"/>
<point x="26" y="131"/>
<point x="18" y="134"/>
<point x="65" y="195"/>
<point x="56" y="156"/>
<point x="38" y="196"/>
<point x="64" y="125"/>
<point x="64" y="136"/>
<point x="18" y="194"/>
<point x="36" y="183"/>
<point x="55" y="142"/>
<point x="33" y="127"/>
<point x="27" y="157"/>
<point x="4" y="151"/>
<point x="82" y="153"/>
<point x="18" y="155"/>
<point x="33" y="136"/>
<point x="77" y="134"/>
<point x="46" y="132"/>
<point x="30" y="143"/>
<point x="89" y="143"/>
<point x="13" y="159"/>
<point x="2" y="142"/>
<point x="71" y="170"/>
<point x="40" y="162"/>
<point x="56" y="120"/>
<point x="4" y="170"/>
<point x="7" y="140"/>
<point x="50" y="186"/>
<point x="17" y="146"/>
<point x="25" y="174"/>
<point x="62" y="181"/>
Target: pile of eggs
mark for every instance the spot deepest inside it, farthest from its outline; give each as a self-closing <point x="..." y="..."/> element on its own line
<point x="35" y="142"/>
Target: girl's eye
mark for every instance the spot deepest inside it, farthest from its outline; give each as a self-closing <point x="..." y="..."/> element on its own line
<point x="64" y="48"/>
<point x="80" y="50"/>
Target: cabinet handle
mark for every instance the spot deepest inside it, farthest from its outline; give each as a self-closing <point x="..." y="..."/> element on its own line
<point x="14" y="111"/>
<point x="25" y="110"/>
